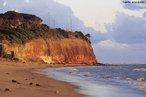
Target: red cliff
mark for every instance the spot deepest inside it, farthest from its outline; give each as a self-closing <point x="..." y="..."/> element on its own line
<point x="37" y="42"/>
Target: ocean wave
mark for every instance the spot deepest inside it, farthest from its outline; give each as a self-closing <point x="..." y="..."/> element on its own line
<point x="139" y="69"/>
<point x="71" y="69"/>
<point x="88" y="74"/>
<point x="143" y="86"/>
<point x="141" y="79"/>
<point x="127" y="76"/>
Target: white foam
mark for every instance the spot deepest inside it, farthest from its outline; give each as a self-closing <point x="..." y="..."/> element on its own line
<point x="93" y="88"/>
<point x="139" y="69"/>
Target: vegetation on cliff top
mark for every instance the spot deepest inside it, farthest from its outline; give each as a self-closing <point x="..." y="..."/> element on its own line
<point x="19" y="28"/>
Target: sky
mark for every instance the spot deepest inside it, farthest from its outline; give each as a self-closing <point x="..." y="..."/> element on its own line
<point x="118" y="29"/>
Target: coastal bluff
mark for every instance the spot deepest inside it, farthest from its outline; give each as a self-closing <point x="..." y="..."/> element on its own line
<point x="24" y="38"/>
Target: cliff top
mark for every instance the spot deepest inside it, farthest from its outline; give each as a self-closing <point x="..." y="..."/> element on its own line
<point x="15" y="18"/>
<point x="19" y="28"/>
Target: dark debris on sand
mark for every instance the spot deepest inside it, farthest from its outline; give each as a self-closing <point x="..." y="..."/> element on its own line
<point x="37" y="84"/>
<point x="14" y="81"/>
<point x="7" y="89"/>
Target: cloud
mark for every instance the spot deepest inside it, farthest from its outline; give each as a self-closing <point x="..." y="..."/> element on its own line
<point x="144" y="14"/>
<point x="112" y="44"/>
<point x="94" y="13"/>
<point x="131" y="54"/>
<point x="27" y="1"/>
<point x="5" y="3"/>
<point x="126" y="39"/>
<point x="128" y="29"/>
<point x="134" y="6"/>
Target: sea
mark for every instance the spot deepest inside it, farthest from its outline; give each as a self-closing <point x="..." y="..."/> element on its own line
<point x="103" y="81"/>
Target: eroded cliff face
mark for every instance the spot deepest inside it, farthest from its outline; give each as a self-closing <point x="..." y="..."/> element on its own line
<point x="24" y="37"/>
<point x="50" y="50"/>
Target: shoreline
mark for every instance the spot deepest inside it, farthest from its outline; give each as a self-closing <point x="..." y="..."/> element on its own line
<point x="92" y="87"/>
<point x="21" y="80"/>
<point x="18" y="80"/>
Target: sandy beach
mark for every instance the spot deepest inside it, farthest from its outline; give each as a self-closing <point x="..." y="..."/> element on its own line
<point x="17" y="80"/>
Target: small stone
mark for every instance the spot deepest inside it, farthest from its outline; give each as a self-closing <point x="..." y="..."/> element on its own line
<point x="18" y="83"/>
<point x="37" y="84"/>
<point x="26" y="79"/>
<point x="30" y="83"/>
<point x="14" y="81"/>
<point x="57" y="91"/>
<point x="7" y="89"/>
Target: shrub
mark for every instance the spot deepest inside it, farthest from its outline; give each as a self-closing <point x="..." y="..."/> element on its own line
<point x="64" y="33"/>
<point x="16" y="59"/>
<point x="31" y="60"/>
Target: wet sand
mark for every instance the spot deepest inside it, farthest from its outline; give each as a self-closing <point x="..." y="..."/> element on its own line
<point x="17" y="80"/>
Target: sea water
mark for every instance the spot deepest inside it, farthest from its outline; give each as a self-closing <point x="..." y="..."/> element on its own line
<point x="103" y="81"/>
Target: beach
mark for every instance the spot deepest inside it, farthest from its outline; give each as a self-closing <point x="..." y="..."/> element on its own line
<point x="17" y="80"/>
<point x="61" y="80"/>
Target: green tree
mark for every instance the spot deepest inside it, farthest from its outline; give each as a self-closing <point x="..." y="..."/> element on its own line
<point x="88" y="36"/>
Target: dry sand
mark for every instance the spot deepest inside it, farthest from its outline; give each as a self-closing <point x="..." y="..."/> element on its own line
<point x="24" y="82"/>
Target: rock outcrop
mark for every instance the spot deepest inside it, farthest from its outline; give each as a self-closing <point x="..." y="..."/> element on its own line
<point x="47" y="45"/>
